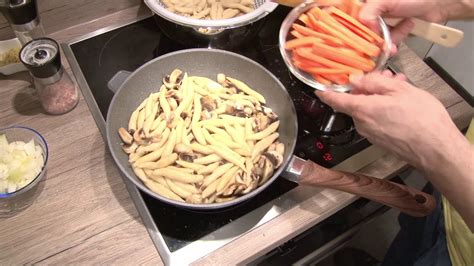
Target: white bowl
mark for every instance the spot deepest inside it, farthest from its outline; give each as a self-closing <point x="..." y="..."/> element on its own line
<point x="13" y="68"/>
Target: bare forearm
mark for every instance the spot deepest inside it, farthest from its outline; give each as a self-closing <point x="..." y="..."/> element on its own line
<point x="451" y="170"/>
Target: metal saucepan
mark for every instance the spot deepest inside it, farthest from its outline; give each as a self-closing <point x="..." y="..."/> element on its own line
<point x="207" y="63"/>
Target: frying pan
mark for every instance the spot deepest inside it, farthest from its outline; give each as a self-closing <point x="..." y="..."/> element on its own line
<point x="207" y="63"/>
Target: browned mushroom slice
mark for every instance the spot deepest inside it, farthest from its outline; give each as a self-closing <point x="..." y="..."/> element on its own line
<point x="129" y="148"/>
<point x="174" y="79"/>
<point x="208" y="103"/>
<point x="230" y="190"/>
<point x="251" y="186"/>
<point x="125" y="136"/>
<point x="275" y="158"/>
<point x="271" y="115"/>
<point x="264" y="169"/>
<point x="261" y="122"/>
<point x="221" y="78"/>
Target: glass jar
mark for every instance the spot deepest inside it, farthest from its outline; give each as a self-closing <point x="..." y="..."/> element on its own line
<point x="23" y="18"/>
<point x="56" y="91"/>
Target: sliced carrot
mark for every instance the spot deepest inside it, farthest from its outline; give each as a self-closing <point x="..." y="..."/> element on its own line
<point x="338" y="30"/>
<point x="308" y="54"/>
<point x="319" y="70"/>
<point x="303" y="18"/>
<point x="340" y="79"/>
<point x="349" y="41"/>
<point x="298" y="42"/>
<point x="356" y="23"/>
<point x="313" y="24"/>
<point x="306" y="62"/>
<point x="372" y="49"/>
<point x="322" y="80"/>
<point x="296" y="34"/>
<point x="309" y="32"/>
<point x="356" y="9"/>
<point x="354" y="29"/>
<point x="344" y="58"/>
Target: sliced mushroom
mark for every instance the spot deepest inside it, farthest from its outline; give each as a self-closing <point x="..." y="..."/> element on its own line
<point x="240" y="189"/>
<point x="129" y="148"/>
<point x="275" y="158"/>
<point x="280" y="148"/>
<point x="271" y="115"/>
<point x="264" y="169"/>
<point x="188" y="157"/>
<point x="173" y="79"/>
<point x="230" y="190"/>
<point x="186" y="114"/>
<point x="221" y="78"/>
<point x="208" y="103"/>
<point x="183" y="148"/>
<point x="139" y="136"/>
<point x="205" y="115"/>
<point x="125" y="136"/>
<point x="251" y="186"/>
<point x="261" y="122"/>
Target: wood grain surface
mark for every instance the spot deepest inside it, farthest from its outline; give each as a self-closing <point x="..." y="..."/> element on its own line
<point x="407" y="200"/>
<point x="84" y="214"/>
<point x="57" y="15"/>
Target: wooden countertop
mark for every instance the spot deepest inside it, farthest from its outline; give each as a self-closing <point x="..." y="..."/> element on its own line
<point x="84" y="212"/>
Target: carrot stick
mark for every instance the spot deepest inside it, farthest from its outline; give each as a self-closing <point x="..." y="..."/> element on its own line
<point x="356" y="23"/>
<point x="305" y="41"/>
<point x="313" y="24"/>
<point x="303" y="18"/>
<point x="344" y="58"/>
<point x="307" y="53"/>
<point x="309" y="32"/>
<point x="296" y="34"/>
<point x="341" y="79"/>
<point x="305" y="61"/>
<point x="354" y="29"/>
<point x="322" y="80"/>
<point x="370" y="48"/>
<point x="318" y="70"/>
<point x="349" y="41"/>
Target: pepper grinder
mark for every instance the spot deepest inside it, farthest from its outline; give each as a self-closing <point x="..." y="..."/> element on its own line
<point x="23" y="18"/>
<point x="56" y="91"/>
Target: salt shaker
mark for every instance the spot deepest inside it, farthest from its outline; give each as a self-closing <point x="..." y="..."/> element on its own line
<point x="23" y="18"/>
<point x="56" y="91"/>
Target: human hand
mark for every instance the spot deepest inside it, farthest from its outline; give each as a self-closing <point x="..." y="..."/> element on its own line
<point x="397" y="116"/>
<point x="429" y="10"/>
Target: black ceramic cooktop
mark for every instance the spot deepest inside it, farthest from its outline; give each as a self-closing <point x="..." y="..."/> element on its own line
<point x="130" y="46"/>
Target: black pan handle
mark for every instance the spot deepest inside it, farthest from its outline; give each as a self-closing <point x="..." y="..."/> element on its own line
<point x="117" y="80"/>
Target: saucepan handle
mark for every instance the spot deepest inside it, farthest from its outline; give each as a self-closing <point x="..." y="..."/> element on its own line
<point x="117" y="80"/>
<point x="408" y="200"/>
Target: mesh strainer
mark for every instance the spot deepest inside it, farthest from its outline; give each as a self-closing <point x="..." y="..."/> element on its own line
<point x="262" y="8"/>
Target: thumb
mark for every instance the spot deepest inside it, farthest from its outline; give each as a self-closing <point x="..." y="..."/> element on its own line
<point x="370" y="12"/>
<point x="342" y="102"/>
<point x="374" y="83"/>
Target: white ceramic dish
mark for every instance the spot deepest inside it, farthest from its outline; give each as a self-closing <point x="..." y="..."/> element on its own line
<point x="13" y="68"/>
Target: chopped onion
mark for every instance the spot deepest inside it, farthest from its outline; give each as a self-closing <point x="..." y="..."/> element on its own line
<point x="20" y="163"/>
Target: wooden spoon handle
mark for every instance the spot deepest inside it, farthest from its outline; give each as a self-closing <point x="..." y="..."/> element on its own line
<point x="401" y="197"/>
<point x="437" y="33"/>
